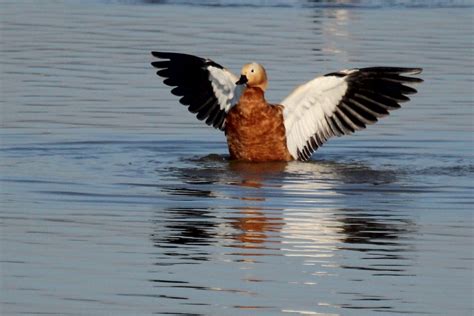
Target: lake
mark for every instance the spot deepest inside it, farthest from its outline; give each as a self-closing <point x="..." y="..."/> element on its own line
<point x="117" y="201"/>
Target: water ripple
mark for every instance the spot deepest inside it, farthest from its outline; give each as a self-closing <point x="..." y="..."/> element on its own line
<point x="114" y="200"/>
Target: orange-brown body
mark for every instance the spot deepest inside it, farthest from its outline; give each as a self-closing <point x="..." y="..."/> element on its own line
<point x="255" y="130"/>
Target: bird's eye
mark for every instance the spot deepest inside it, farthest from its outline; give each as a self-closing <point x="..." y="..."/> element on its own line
<point x="251" y="70"/>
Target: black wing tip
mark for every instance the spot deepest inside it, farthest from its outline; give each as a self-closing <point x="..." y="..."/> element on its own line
<point x="159" y="54"/>
<point x="379" y="70"/>
<point x="162" y="63"/>
<point x="393" y="70"/>
<point x="173" y="55"/>
<point x="180" y="57"/>
<point x="164" y="55"/>
<point x="416" y="71"/>
<point x="413" y="71"/>
<point x="159" y="64"/>
<point x="402" y="73"/>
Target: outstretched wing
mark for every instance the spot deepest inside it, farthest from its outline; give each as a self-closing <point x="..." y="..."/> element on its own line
<point x="207" y="88"/>
<point x="342" y="102"/>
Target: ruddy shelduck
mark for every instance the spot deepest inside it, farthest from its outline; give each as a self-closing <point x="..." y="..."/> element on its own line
<point x="335" y="104"/>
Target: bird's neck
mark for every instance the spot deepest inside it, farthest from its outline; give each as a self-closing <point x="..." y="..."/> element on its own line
<point x="252" y="99"/>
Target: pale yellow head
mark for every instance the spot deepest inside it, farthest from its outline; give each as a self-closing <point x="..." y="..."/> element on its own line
<point x="254" y="75"/>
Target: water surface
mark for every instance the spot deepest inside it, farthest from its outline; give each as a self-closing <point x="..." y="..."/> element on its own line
<point x="115" y="200"/>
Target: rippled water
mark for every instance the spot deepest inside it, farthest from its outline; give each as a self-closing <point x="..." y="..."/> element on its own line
<point x="115" y="200"/>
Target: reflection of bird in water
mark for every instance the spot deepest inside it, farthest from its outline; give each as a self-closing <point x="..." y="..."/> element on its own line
<point x="342" y="209"/>
<point x="335" y="104"/>
<point x="246" y="204"/>
<point x="254" y="225"/>
<point x="256" y="174"/>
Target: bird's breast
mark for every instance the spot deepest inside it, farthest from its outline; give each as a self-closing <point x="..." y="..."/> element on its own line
<point x="255" y="132"/>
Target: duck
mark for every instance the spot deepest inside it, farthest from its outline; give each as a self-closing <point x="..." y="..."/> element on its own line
<point x="331" y="105"/>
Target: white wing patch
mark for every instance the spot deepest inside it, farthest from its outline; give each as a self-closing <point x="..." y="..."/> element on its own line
<point x="223" y="84"/>
<point x="306" y="108"/>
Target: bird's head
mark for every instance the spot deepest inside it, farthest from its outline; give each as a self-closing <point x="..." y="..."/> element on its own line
<point x="254" y="75"/>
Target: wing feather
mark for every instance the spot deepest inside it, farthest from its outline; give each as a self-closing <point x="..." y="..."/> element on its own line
<point x="341" y="103"/>
<point x="205" y="87"/>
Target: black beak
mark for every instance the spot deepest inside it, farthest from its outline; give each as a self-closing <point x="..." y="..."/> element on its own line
<point x="243" y="79"/>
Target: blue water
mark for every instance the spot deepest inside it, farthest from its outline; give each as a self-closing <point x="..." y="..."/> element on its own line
<point x="117" y="201"/>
